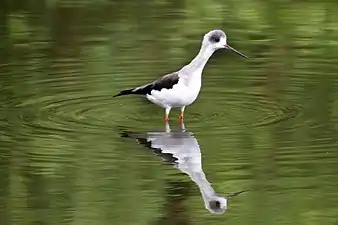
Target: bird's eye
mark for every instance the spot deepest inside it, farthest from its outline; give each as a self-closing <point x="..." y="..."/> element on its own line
<point x="215" y="38"/>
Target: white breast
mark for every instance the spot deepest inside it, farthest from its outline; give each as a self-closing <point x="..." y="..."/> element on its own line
<point x="183" y="93"/>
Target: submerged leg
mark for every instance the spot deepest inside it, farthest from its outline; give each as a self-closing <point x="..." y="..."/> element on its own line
<point x="182" y="126"/>
<point x="182" y="113"/>
<point x="167" y="111"/>
<point x="167" y="127"/>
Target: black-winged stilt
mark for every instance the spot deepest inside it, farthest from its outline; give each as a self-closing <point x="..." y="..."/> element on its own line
<point x="181" y="88"/>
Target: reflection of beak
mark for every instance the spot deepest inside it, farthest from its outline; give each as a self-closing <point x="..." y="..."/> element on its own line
<point x="235" y="194"/>
<point x="235" y="51"/>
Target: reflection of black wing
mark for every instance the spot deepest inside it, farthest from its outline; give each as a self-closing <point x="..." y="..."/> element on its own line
<point x="167" y="157"/>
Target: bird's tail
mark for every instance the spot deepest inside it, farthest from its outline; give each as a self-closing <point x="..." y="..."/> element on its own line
<point x="142" y="90"/>
<point x="125" y="92"/>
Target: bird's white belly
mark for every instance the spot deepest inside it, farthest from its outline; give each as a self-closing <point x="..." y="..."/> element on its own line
<point x="180" y="95"/>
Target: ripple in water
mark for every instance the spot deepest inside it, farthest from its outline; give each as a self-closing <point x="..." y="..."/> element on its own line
<point x="97" y="112"/>
<point x="246" y="110"/>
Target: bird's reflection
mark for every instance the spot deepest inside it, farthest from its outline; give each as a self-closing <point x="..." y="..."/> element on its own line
<point x="181" y="149"/>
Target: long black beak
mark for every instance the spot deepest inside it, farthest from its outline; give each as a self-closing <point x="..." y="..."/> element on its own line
<point x="235" y="51"/>
<point x="235" y="194"/>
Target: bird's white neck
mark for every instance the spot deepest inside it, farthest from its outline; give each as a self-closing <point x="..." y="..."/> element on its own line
<point x="204" y="186"/>
<point x="198" y="63"/>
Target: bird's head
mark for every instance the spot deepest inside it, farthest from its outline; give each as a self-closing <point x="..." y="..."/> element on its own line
<point x="217" y="39"/>
<point x="218" y="204"/>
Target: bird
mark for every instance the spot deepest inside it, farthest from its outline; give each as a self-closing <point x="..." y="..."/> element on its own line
<point x="181" y="88"/>
<point x="180" y="149"/>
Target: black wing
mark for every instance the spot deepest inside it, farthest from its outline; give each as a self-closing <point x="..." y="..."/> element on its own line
<point x="167" y="81"/>
<point x="167" y="157"/>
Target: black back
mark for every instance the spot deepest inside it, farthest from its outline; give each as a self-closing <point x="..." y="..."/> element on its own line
<point x="167" y="81"/>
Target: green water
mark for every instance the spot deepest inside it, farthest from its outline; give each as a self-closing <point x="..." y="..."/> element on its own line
<point x="268" y="124"/>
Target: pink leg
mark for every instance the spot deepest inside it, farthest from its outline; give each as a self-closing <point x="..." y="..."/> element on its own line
<point x="182" y="114"/>
<point x="166" y="118"/>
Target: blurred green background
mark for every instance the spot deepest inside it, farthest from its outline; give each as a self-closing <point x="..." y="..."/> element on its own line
<point x="268" y="123"/>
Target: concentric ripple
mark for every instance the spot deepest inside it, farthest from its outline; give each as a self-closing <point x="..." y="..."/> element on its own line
<point x="94" y="113"/>
<point x="243" y="109"/>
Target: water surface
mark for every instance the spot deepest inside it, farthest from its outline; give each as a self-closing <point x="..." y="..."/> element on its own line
<point x="268" y="124"/>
